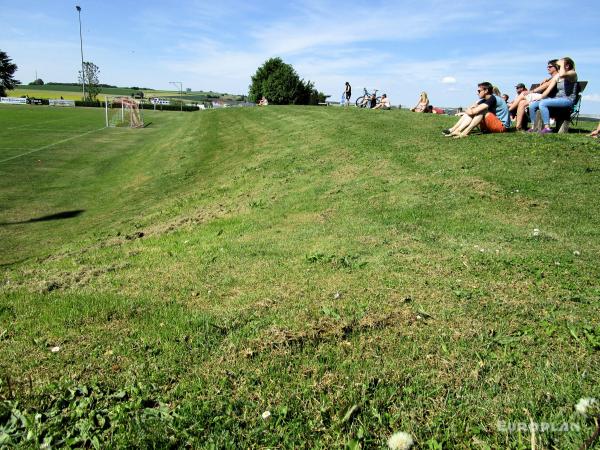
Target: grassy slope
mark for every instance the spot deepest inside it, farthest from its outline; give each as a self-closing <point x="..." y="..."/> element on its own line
<point x="312" y="262"/>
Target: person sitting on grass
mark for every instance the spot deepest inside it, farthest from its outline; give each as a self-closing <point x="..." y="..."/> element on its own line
<point x="263" y="101"/>
<point x="596" y="132"/>
<point x="525" y="97"/>
<point x="384" y="104"/>
<point x="502" y="108"/>
<point x="423" y="104"/>
<point x="513" y="106"/>
<point x="482" y="113"/>
<point x="565" y="83"/>
<point x="372" y="102"/>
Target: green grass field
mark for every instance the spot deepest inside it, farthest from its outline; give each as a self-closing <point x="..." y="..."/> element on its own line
<point x="352" y="272"/>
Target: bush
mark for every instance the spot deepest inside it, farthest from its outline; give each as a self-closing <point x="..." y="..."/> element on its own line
<point x="281" y="85"/>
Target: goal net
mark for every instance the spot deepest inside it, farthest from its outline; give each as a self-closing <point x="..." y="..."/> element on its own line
<point x="123" y="112"/>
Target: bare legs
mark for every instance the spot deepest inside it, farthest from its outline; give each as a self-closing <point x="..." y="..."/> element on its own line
<point x="519" y="104"/>
<point x="521" y="107"/>
<point x="465" y="125"/>
<point x="475" y="121"/>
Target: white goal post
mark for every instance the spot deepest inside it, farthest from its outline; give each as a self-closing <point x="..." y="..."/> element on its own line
<point x="123" y="112"/>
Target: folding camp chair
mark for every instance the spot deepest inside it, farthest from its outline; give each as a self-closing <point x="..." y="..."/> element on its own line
<point x="576" y="107"/>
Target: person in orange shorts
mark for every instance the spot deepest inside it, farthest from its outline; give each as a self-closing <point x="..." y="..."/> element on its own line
<point x="482" y="113"/>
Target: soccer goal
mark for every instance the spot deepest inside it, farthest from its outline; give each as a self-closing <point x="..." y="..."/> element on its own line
<point x="123" y="112"/>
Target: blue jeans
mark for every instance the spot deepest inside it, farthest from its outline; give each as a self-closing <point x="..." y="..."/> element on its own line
<point x="543" y="105"/>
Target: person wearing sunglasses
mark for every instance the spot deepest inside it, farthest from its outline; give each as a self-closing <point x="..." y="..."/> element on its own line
<point x="525" y="97"/>
<point x="482" y="113"/>
<point x="565" y="85"/>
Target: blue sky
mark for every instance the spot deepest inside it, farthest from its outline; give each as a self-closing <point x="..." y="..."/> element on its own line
<point x="399" y="47"/>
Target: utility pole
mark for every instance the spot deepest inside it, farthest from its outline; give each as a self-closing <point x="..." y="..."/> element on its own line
<point x="180" y="83"/>
<point x="78" y="8"/>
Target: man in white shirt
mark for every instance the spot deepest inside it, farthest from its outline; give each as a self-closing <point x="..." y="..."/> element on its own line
<point x="384" y="104"/>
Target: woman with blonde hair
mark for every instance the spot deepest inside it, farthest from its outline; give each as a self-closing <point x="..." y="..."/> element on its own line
<point x="423" y="103"/>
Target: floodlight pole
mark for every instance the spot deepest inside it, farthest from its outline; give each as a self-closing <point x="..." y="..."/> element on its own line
<point x="180" y="83"/>
<point x="78" y="8"/>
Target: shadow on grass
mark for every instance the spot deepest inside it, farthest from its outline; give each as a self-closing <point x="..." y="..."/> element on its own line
<point x="57" y="216"/>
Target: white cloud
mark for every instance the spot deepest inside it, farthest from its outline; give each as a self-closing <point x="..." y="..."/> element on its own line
<point x="448" y="80"/>
<point x="591" y="97"/>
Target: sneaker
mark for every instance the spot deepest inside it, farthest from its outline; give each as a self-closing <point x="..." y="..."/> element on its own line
<point x="447" y="132"/>
<point x="531" y="130"/>
<point x="546" y="130"/>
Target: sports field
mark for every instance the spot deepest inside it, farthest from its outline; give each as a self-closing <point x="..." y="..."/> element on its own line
<point x="294" y="277"/>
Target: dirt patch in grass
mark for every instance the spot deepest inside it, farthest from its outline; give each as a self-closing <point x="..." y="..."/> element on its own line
<point x="44" y="280"/>
<point x="327" y="330"/>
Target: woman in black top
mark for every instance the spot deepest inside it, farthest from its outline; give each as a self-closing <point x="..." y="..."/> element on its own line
<point x="348" y="93"/>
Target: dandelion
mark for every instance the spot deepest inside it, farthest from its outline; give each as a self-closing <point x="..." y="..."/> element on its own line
<point x="585" y="404"/>
<point x="400" y="441"/>
<point x="266" y="415"/>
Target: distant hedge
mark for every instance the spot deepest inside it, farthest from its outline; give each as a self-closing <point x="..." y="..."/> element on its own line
<point x="93" y="104"/>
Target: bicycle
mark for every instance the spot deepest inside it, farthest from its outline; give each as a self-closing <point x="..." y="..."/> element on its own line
<point x="363" y="100"/>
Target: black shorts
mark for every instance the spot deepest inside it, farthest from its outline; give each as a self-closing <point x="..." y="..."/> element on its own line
<point x="348" y="95"/>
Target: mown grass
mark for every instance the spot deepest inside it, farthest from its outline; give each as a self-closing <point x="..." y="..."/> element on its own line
<point x="352" y="272"/>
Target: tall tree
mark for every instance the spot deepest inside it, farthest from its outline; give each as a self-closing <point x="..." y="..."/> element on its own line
<point x="7" y="70"/>
<point x="92" y="82"/>
<point x="280" y="84"/>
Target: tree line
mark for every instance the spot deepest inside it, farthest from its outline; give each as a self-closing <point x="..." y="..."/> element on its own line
<point x="275" y="80"/>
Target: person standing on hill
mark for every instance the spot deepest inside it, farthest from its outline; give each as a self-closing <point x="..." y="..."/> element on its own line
<point x="348" y="93"/>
